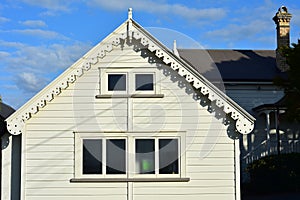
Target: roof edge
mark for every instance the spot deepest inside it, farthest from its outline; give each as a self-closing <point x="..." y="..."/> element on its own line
<point x="128" y="30"/>
<point x="16" y="121"/>
<point x="192" y="75"/>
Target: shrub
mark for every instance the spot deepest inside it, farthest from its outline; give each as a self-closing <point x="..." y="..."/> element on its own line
<point x="274" y="174"/>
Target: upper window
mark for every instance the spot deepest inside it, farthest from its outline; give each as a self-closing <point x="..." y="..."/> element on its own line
<point x="122" y="83"/>
<point x="116" y="82"/>
<point x="144" y="82"/>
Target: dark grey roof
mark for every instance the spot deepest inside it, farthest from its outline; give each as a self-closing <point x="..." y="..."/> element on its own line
<point x="5" y="111"/>
<point x="234" y="65"/>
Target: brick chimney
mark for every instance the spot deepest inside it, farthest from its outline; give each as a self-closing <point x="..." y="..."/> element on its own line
<point x="282" y="20"/>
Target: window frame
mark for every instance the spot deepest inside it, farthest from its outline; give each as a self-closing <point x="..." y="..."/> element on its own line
<point x="144" y="91"/>
<point x="156" y="158"/>
<point x="130" y="138"/>
<point x="79" y="155"/>
<point x="130" y="81"/>
<point x="101" y="161"/>
<point x="136" y="75"/>
<point x="104" y="83"/>
<point x="126" y="84"/>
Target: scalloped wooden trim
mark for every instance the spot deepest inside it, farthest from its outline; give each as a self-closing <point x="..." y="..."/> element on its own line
<point x="243" y="124"/>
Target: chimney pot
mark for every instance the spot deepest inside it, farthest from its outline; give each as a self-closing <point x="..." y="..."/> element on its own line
<point x="282" y="20"/>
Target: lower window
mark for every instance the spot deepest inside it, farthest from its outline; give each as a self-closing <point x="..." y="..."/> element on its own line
<point x="129" y="156"/>
<point x="100" y="160"/>
<point x="150" y="162"/>
<point x="168" y="156"/>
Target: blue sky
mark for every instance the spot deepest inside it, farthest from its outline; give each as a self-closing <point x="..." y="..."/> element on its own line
<point x="41" y="38"/>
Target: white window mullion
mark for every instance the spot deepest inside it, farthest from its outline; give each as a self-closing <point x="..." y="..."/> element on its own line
<point x="104" y="156"/>
<point x="130" y="157"/>
<point x="130" y="82"/>
<point x="156" y="157"/>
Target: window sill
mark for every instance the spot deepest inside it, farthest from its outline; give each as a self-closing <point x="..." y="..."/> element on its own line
<point x="129" y="96"/>
<point x="99" y="180"/>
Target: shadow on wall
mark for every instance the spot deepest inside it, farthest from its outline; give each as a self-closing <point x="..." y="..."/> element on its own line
<point x="196" y="95"/>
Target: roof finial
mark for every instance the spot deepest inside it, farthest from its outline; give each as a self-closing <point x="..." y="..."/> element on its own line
<point x="175" y="51"/>
<point x="129" y="13"/>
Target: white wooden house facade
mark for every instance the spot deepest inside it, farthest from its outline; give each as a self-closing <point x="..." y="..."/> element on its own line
<point x="129" y="120"/>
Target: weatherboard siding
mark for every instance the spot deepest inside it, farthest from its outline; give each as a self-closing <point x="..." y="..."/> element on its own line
<point x="252" y="96"/>
<point x="209" y="152"/>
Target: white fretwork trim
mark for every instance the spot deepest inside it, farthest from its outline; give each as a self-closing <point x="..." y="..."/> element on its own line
<point x="244" y="123"/>
<point x="16" y="125"/>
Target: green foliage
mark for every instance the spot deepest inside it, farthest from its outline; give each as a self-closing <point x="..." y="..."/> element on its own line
<point x="293" y="60"/>
<point x="275" y="174"/>
<point x="292" y="85"/>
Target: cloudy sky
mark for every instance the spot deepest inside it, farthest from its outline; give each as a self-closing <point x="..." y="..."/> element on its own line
<point x="41" y="38"/>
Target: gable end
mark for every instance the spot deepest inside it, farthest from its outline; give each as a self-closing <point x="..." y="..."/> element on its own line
<point x="128" y="30"/>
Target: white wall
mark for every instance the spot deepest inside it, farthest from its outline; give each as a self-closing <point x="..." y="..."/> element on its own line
<point x="49" y="150"/>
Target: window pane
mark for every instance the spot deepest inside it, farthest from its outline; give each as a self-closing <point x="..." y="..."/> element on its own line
<point x="168" y="156"/>
<point x="92" y="157"/>
<point x="117" y="82"/>
<point x="144" y="149"/>
<point x="144" y="82"/>
<point x="115" y="156"/>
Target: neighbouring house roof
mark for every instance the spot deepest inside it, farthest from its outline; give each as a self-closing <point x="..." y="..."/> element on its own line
<point x="235" y="65"/>
<point x="128" y="31"/>
<point x="5" y="111"/>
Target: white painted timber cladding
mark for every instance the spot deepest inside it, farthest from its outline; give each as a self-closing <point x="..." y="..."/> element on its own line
<point x="49" y="140"/>
<point x="250" y="97"/>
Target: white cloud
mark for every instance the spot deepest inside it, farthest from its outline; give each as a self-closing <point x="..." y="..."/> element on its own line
<point x="39" y="33"/>
<point x="4" y="19"/>
<point x="246" y="25"/>
<point x="236" y="32"/>
<point x="295" y="21"/>
<point x="34" y="66"/>
<point x="34" y="23"/>
<point x="161" y="7"/>
<point x="57" y="5"/>
<point x="4" y="54"/>
<point x="42" y="59"/>
<point x="11" y="44"/>
<point x="150" y="6"/>
<point x="29" y="82"/>
<point x="193" y="13"/>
